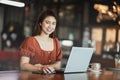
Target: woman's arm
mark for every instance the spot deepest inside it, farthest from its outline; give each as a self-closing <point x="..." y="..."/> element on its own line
<point x="25" y="65"/>
<point x="56" y="65"/>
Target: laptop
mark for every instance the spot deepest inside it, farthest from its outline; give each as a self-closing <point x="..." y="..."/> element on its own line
<point x="78" y="60"/>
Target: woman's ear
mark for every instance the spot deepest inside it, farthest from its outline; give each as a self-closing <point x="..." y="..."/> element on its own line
<point x="40" y="24"/>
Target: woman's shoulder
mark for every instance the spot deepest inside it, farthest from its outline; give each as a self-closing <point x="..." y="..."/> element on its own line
<point x="29" y="39"/>
<point x="27" y="46"/>
<point x="56" y="39"/>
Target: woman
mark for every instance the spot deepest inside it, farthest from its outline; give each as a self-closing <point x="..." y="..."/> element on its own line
<point x="41" y="51"/>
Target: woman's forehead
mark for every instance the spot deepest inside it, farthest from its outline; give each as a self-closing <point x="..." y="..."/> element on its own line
<point x="50" y="18"/>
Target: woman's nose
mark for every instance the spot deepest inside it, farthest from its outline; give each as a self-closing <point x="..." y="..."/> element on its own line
<point x="50" y="24"/>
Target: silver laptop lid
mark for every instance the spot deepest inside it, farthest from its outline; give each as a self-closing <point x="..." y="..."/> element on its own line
<point x="79" y="59"/>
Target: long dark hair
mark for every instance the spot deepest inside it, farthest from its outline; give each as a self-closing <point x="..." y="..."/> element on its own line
<point x="37" y="29"/>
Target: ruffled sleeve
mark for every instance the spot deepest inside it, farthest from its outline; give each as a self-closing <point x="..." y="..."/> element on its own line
<point x="58" y="50"/>
<point x="27" y="47"/>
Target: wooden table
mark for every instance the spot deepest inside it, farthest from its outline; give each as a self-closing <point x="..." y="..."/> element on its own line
<point x="24" y="75"/>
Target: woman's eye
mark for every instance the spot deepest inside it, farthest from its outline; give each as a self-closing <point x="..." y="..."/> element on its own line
<point x="54" y="23"/>
<point x="48" y="22"/>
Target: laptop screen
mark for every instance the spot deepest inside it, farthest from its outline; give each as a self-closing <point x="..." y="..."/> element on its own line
<point x="79" y="59"/>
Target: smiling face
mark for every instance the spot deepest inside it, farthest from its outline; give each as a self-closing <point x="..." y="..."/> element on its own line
<point x="48" y="25"/>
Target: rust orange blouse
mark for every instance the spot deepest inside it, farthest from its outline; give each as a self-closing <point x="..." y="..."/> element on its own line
<point x="32" y="49"/>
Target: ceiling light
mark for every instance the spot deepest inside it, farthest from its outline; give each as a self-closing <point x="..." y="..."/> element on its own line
<point x="12" y="3"/>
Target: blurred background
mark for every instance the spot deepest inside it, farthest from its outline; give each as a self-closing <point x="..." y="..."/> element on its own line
<point x="88" y="23"/>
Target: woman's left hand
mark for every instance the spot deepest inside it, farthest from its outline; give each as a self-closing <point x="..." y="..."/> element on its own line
<point x="48" y="69"/>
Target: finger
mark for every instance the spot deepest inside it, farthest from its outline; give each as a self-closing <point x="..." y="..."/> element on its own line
<point x="46" y="70"/>
<point x="51" y="69"/>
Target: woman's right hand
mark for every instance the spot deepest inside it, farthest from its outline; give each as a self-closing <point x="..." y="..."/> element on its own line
<point x="39" y="67"/>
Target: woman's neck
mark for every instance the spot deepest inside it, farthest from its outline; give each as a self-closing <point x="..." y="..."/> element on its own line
<point x="44" y="37"/>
